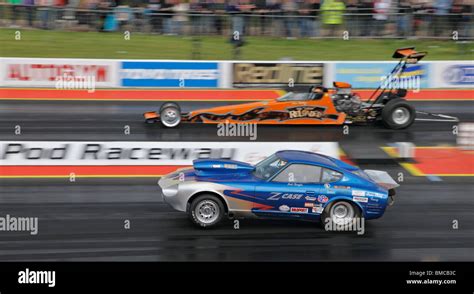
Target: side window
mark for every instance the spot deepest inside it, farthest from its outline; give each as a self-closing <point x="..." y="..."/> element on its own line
<point x="330" y="176"/>
<point x="299" y="173"/>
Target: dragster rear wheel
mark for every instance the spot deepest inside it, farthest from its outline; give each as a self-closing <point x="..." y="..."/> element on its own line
<point x="170" y="114"/>
<point x="398" y="114"/>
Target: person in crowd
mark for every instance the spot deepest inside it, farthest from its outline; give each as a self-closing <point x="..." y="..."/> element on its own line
<point x="333" y="16"/>
<point x="15" y="11"/>
<point x="238" y="25"/>
<point x="167" y="11"/>
<point x="404" y="18"/>
<point x="381" y="11"/>
<point x="352" y="18"/>
<point x="289" y="8"/>
<point x="365" y="9"/>
<point x="306" y="18"/>
<point x="180" y="18"/>
<point x="421" y="16"/>
<point x="30" y="11"/>
<point x="461" y="18"/>
<point x="441" y="11"/>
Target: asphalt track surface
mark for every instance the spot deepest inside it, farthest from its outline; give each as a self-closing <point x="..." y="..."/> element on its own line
<point x="84" y="220"/>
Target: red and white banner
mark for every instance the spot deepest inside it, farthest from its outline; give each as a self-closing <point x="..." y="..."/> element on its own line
<point x="59" y="159"/>
<point x="40" y="72"/>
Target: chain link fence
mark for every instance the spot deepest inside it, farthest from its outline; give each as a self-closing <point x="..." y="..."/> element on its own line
<point x="353" y="23"/>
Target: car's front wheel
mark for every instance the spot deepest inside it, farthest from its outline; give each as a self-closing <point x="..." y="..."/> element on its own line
<point x="170" y="114"/>
<point x="339" y="213"/>
<point x="206" y="211"/>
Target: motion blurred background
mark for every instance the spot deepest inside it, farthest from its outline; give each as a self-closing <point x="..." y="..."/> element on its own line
<point x="202" y="54"/>
<point x="273" y="29"/>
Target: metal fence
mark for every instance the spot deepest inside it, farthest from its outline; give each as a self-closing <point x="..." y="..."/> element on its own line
<point x="354" y="23"/>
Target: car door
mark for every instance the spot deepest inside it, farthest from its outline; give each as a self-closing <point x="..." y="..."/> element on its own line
<point x="291" y="192"/>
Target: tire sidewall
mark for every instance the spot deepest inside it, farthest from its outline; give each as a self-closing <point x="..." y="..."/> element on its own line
<point x="195" y="202"/>
<point x="171" y="105"/>
<point x="327" y="210"/>
<point x="390" y="107"/>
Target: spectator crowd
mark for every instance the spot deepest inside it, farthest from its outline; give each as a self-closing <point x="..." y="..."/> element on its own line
<point x="283" y="18"/>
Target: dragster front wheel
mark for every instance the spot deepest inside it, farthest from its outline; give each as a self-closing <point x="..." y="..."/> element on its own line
<point x="170" y="114"/>
<point x="398" y="114"/>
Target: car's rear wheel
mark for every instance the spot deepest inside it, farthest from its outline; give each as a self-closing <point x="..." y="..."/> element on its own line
<point x="398" y="114"/>
<point x="339" y="213"/>
<point x="206" y="211"/>
<point x="170" y="114"/>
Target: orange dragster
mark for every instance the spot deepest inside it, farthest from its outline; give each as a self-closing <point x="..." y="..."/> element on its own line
<point x="315" y="107"/>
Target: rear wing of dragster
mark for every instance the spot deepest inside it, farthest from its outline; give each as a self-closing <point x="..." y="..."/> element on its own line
<point x="409" y="55"/>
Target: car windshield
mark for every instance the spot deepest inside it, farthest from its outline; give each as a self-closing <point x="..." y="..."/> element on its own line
<point x="268" y="167"/>
<point x="295" y="97"/>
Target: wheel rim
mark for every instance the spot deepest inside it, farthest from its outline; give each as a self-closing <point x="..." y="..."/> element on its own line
<point x="207" y="211"/>
<point x="170" y="117"/>
<point x="401" y="115"/>
<point x="342" y="213"/>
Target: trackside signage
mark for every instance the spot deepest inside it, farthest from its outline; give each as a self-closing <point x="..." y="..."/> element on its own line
<point x="58" y="153"/>
<point x="44" y="72"/>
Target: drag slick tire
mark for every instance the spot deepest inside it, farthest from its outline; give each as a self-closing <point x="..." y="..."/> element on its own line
<point x="170" y="114"/>
<point x="206" y="211"/>
<point x="339" y="212"/>
<point x="398" y="114"/>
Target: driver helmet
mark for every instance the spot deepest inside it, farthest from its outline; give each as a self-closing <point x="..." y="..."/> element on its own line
<point x="317" y="92"/>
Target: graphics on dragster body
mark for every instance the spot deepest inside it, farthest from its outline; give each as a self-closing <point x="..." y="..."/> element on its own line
<point x="260" y="114"/>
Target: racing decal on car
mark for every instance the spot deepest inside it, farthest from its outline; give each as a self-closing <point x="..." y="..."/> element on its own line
<point x="323" y="198"/>
<point x="309" y="204"/>
<point x="342" y="187"/>
<point x="313" y="112"/>
<point x="318" y="209"/>
<point x="284" y="208"/>
<point x="299" y="210"/>
<point x="358" y="193"/>
<point x="310" y="198"/>
<point x="374" y="194"/>
<point x="261" y="114"/>
<point x="360" y="199"/>
<point x="286" y="196"/>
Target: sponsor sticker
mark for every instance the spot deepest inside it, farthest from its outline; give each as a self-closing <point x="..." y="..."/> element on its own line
<point x="358" y="193"/>
<point x="374" y="194"/>
<point x="342" y="187"/>
<point x="309" y="204"/>
<point x="299" y="210"/>
<point x="284" y="208"/>
<point x="309" y="198"/>
<point x="318" y="209"/>
<point x="360" y="199"/>
<point x="323" y="198"/>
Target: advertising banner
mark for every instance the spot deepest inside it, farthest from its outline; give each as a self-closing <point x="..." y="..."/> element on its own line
<point x="459" y="74"/>
<point x="41" y="72"/>
<point x="368" y="75"/>
<point x="169" y="74"/>
<point x="30" y="153"/>
<point x="280" y="74"/>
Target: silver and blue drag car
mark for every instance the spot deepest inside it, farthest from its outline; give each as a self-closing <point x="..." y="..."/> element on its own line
<point x="287" y="184"/>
